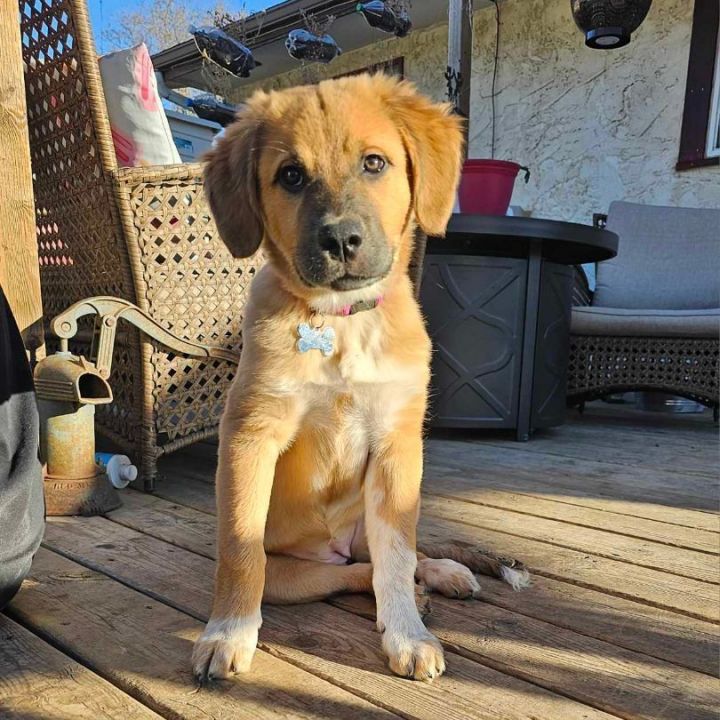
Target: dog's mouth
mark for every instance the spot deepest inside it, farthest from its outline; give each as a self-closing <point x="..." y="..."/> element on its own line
<point x="343" y="283"/>
<point x="353" y="282"/>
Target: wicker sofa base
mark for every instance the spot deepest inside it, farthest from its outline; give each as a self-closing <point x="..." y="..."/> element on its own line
<point x="600" y="365"/>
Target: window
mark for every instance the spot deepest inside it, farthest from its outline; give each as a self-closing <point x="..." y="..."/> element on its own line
<point x="713" y="137"/>
<point x="700" y="135"/>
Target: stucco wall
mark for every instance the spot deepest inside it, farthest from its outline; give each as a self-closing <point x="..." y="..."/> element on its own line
<point x="593" y="126"/>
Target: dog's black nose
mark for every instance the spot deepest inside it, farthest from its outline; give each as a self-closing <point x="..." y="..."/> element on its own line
<point x="342" y="239"/>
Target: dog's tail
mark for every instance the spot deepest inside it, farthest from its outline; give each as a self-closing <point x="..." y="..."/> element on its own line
<point x="511" y="571"/>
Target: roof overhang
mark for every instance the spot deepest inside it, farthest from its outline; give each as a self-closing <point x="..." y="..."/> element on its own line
<point x="266" y="31"/>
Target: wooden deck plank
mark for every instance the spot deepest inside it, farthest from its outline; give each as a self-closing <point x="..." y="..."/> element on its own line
<point x="185" y="463"/>
<point x="326" y="641"/>
<point x="659" y="532"/>
<point x="143" y="646"/>
<point x="689" y="597"/>
<point x="662" y="634"/>
<point x="38" y="682"/>
<point x="644" y="553"/>
<point x="599" y="673"/>
<point x="631" y="418"/>
<point x="672" y="487"/>
<point x="686" y="443"/>
<point x="632" y="685"/>
<point x="668" y="495"/>
<point x="688" y="449"/>
<point x="187" y="491"/>
<point x="604" y="487"/>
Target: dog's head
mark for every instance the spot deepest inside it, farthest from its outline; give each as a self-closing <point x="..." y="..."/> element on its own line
<point x="335" y="177"/>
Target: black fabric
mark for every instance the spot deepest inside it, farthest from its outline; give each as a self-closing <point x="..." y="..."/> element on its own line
<point x="22" y="507"/>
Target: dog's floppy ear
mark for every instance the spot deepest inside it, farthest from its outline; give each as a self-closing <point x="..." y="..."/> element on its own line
<point x="433" y="141"/>
<point x="231" y="186"/>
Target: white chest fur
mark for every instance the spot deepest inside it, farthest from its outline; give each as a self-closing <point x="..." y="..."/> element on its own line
<point x="373" y="385"/>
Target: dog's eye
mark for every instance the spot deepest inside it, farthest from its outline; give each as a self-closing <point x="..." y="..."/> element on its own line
<point x="292" y="177"/>
<point x="373" y="164"/>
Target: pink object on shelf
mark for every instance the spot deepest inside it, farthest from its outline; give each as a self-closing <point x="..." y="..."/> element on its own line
<point x="486" y="186"/>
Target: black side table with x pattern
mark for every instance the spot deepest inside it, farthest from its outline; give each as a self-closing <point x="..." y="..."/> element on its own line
<point x="496" y="293"/>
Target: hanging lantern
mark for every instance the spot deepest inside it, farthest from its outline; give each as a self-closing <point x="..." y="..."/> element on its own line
<point x="224" y="50"/>
<point x="383" y="16"/>
<point x="608" y="24"/>
<point x="307" y="46"/>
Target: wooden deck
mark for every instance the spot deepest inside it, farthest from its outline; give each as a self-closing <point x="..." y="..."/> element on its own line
<point x="614" y="513"/>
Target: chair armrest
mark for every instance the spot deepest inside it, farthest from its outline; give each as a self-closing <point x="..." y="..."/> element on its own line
<point x="109" y="310"/>
<point x="158" y="173"/>
<point x="581" y="293"/>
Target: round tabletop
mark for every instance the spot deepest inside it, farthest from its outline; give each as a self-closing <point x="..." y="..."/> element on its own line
<point x="505" y="236"/>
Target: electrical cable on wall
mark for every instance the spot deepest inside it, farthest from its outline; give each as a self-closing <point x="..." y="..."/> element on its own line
<point x="494" y="77"/>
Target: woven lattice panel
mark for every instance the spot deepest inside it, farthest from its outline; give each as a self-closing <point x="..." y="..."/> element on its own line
<point x="122" y="416"/>
<point x="193" y="287"/>
<point x="683" y="366"/>
<point x="80" y="247"/>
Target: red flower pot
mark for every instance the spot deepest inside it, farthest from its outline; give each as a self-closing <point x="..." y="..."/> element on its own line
<point x="486" y="186"/>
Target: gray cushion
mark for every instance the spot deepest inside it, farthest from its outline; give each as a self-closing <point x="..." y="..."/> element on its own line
<point x="646" y="323"/>
<point x="668" y="258"/>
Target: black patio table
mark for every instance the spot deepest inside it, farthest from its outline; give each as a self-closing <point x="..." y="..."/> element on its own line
<point x="496" y="293"/>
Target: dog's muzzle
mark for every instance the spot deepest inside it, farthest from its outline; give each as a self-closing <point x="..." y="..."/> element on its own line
<point x="345" y="254"/>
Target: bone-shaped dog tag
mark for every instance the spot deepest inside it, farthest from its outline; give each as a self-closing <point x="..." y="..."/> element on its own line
<point x="310" y="338"/>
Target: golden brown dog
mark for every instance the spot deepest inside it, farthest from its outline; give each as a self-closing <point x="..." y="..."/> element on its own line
<point x="320" y="458"/>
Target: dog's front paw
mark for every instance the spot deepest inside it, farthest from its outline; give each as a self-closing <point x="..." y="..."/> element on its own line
<point x="417" y="656"/>
<point x="226" y="647"/>
<point x="447" y="577"/>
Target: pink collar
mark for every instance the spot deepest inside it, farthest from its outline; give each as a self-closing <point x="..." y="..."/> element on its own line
<point x="347" y="310"/>
<point x="360" y="306"/>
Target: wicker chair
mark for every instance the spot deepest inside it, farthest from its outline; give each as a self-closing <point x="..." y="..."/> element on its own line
<point x="143" y="234"/>
<point x="654" y="321"/>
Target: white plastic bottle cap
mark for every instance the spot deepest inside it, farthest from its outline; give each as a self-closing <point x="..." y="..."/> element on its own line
<point x="119" y="469"/>
<point x="128" y="473"/>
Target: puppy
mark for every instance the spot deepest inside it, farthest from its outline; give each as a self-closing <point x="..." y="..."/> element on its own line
<point x="321" y="450"/>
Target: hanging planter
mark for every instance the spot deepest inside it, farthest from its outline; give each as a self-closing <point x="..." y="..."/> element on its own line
<point x="386" y="16"/>
<point x="486" y="186"/>
<point x="227" y="52"/>
<point x="609" y="24"/>
<point x="313" y="43"/>
<point x="309" y="47"/>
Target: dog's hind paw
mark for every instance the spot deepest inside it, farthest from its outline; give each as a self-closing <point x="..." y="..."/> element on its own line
<point x="226" y="647"/>
<point x="447" y="577"/>
<point x="484" y="562"/>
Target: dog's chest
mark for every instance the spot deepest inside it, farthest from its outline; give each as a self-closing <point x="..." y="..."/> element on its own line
<point x="360" y="356"/>
<point x="350" y="402"/>
<point x="361" y="388"/>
